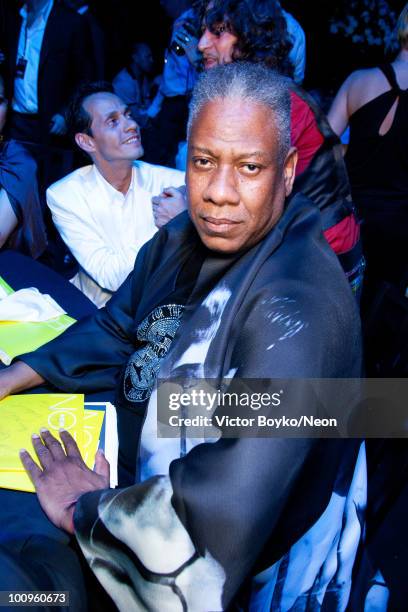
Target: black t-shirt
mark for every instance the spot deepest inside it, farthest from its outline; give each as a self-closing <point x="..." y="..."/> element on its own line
<point x="155" y="334"/>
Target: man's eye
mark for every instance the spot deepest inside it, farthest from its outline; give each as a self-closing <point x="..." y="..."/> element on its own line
<point x="201" y="162"/>
<point x="112" y="122"/>
<point x="251" y="168"/>
<point x="220" y="29"/>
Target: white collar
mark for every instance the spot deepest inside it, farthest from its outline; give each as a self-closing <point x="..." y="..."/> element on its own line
<point x="111" y="191"/>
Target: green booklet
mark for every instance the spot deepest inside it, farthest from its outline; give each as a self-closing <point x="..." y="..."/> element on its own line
<point x="18" y="337"/>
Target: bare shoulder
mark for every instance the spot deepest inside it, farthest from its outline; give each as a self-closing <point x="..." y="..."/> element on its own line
<point x="365" y="85"/>
<point x="367" y="75"/>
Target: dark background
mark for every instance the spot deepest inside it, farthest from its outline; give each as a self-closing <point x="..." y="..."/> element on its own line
<point x="330" y="58"/>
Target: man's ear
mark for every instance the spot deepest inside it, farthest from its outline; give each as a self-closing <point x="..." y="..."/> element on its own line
<point x="85" y="142"/>
<point x="289" y="169"/>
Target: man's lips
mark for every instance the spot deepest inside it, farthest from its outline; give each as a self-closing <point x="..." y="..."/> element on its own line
<point x="134" y="139"/>
<point x="209" y="61"/>
<point x="219" y="225"/>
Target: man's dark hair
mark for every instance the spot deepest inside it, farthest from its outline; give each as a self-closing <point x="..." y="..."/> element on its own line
<point x="77" y="118"/>
<point x="260" y="27"/>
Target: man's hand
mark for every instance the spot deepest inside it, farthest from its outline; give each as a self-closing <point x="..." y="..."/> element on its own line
<point x="189" y="43"/>
<point x="64" y="477"/>
<point x="58" y="125"/>
<point x="170" y="203"/>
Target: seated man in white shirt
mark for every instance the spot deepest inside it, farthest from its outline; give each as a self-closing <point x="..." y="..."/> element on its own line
<point x="103" y="211"/>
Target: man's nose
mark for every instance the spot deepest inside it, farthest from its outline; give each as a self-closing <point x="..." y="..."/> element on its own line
<point x="222" y="187"/>
<point x="130" y="123"/>
<point x="205" y="40"/>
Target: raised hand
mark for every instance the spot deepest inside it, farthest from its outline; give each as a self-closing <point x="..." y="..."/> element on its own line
<point x="183" y="37"/>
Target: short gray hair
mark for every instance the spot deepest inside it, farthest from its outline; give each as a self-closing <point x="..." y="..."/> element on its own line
<point x="250" y="82"/>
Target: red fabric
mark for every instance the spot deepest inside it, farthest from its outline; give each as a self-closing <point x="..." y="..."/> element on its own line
<point x="344" y="235"/>
<point x="304" y="133"/>
<point x="307" y="138"/>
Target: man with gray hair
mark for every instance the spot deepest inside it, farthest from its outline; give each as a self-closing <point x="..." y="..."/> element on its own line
<point x="242" y="287"/>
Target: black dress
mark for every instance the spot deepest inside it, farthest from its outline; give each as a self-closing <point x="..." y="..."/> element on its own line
<point x="378" y="172"/>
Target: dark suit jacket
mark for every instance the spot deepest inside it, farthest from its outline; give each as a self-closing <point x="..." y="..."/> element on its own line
<point x="66" y="58"/>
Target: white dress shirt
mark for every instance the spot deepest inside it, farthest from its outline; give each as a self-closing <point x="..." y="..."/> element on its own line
<point x="103" y="228"/>
<point x="25" y="98"/>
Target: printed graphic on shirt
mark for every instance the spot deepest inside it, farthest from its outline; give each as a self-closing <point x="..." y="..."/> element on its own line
<point x="157" y="330"/>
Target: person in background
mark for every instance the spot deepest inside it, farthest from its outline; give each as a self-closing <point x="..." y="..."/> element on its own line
<point x="103" y="211"/>
<point x="373" y="103"/>
<point x="239" y="30"/>
<point x="170" y="107"/>
<point x="133" y="83"/>
<point x="297" y="54"/>
<point x="48" y="54"/>
<point x="21" y="220"/>
<point x="98" y="36"/>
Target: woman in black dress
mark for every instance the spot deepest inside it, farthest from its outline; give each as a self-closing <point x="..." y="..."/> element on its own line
<point x="374" y="103"/>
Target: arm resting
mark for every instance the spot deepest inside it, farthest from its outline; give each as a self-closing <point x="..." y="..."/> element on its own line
<point x="18" y="377"/>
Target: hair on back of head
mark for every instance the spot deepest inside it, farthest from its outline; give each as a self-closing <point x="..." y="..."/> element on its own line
<point x="247" y="82"/>
<point x="402" y="27"/>
<point x="77" y="118"/>
<point x="260" y="27"/>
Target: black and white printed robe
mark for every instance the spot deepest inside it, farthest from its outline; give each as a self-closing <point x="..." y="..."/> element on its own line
<point x="256" y="523"/>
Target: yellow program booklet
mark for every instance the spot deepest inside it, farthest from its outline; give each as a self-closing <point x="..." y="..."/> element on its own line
<point x="23" y="415"/>
<point x="18" y="337"/>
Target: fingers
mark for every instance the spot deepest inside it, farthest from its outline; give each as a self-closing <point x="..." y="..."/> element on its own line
<point x="102" y="467"/>
<point x="47" y="449"/>
<point x="71" y="447"/>
<point x="170" y="191"/>
<point x="52" y="444"/>
<point x="164" y="195"/>
<point x="30" y="466"/>
<point x="44" y="456"/>
<point x="180" y="37"/>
